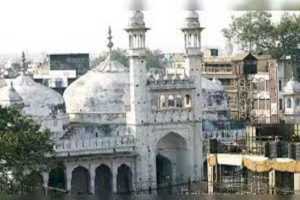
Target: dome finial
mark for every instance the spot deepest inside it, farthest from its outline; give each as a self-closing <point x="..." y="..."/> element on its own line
<point x="110" y="43"/>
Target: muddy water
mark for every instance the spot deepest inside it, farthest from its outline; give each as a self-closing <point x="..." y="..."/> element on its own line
<point x="161" y="197"/>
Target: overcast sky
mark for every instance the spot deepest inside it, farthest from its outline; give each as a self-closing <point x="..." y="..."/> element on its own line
<point x="81" y="25"/>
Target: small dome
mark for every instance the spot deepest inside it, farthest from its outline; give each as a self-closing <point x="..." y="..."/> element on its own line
<point x="292" y="86"/>
<point x="191" y="20"/>
<point x="9" y="96"/>
<point x="214" y="85"/>
<point x="38" y="99"/>
<point x="217" y="81"/>
<point x="137" y="19"/>
<point x="104" y="89"/>
<point x="192" y="14"/>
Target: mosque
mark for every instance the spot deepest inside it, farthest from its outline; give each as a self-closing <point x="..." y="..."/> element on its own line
<point x="121" y="130"/>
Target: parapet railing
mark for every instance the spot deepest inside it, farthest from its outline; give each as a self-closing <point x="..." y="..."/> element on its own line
<point x="96" y="145"/>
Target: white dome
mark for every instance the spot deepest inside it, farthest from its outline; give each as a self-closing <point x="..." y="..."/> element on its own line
<point x="9" y="96"/>
<point x="39" y="100"/>
<point x="214" y="85"/>
<point x="137" y="19"/>
<point x="192" y="14"/>
<point x="292" y="87"/>
<point x="102" y="90"/>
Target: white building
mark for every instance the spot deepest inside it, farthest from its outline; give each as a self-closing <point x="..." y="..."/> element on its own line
<point x="129" y="131"/>
<point x="291" y="96"/>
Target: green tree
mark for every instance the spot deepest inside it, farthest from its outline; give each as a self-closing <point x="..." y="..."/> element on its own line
<point x="23" y="146"/>
<point x="117" y="54"/>
<point x="287" y="34"/>
<point x="253" y="31"/>
<point x="154" y="59"/>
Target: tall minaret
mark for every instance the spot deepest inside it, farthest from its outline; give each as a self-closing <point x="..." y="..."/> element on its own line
<point x="193" y="56"/>
<point x="138" y="73"/>
<point x="192" y="42"/>
<point x="193" y="63"/>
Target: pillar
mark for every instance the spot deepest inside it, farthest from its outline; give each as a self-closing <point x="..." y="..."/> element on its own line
<point x="272" y="181"/>
<point x="115" y="177"/>
<point x="210" y="177"/>
<point x="297" y="183"/>
<point x="92" y="180"/>
<point x="174" y="175"/>
<point x="69" y="178"/>
<point x="45" y="176"/>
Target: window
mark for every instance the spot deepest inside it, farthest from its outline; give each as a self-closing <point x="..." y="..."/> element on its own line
<point x="178" y="101"/>
<point x="280" y="85"/>
<point x="162" y="101"/>
<point x="280" y="104"/>
<point x="188" y="100"/>
<point x="289" y="103"/>
<point x="297" y="102"/>
<point x="171" y="101"/>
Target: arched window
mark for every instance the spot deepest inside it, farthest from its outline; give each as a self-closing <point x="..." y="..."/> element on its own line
<point x="171" y="101"/>
<point x="178" y="101"/>
<point x="162" y="101"/>
<point x="297" y="102"/>
<point x="188" y="100"/>
<point x="289" y="103"/>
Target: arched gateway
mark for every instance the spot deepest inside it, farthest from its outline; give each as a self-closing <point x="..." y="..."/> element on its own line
<point x="172" y="160"/>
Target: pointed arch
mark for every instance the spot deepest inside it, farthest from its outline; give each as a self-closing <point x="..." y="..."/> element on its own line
<point x="124" y="179"/>
<point x="103" y="180"/>
<point x="80" y="180"/>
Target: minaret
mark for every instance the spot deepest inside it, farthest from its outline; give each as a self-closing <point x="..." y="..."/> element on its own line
<point x="192" y="42"/>
<point x="138" y="73"/>
<point x="193" y="56"/>
<point x="23" y="64"/>
<point x="193" y="63"/>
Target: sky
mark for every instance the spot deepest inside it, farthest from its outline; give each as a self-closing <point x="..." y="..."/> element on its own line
<point x="73" y="26"/>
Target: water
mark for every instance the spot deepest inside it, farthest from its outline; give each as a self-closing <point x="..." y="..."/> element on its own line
<point x="160" y="197"/>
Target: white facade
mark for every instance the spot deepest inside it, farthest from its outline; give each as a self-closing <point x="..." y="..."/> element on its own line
<point x="291" y="94"/>
<point x="129" y="131"/>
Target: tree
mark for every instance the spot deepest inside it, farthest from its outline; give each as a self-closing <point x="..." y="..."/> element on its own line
<point x="154" y="59"/>
<point x="117" y="54"/>
<point x="253" y="31"/>
<point x="287" y="34"/>
<point x="23" y="146"/>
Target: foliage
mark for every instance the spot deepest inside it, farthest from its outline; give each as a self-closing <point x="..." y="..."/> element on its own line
<point x="288" y="33"/>
<point x="153" y="58"/>
<point x="255" y="32"/>
<point x="23" y="146"/>
<point x="295" y="138"/>
<point x="117" y="54"/>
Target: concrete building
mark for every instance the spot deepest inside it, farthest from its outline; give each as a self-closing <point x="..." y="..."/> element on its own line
<point x="252" y="95"/>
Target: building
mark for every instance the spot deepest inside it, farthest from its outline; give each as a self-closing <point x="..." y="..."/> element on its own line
<point x="251" y="85"/>
<point x="126" y="130"/>
<point x="60" y="70"/>
<point x="79" y="62"/>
